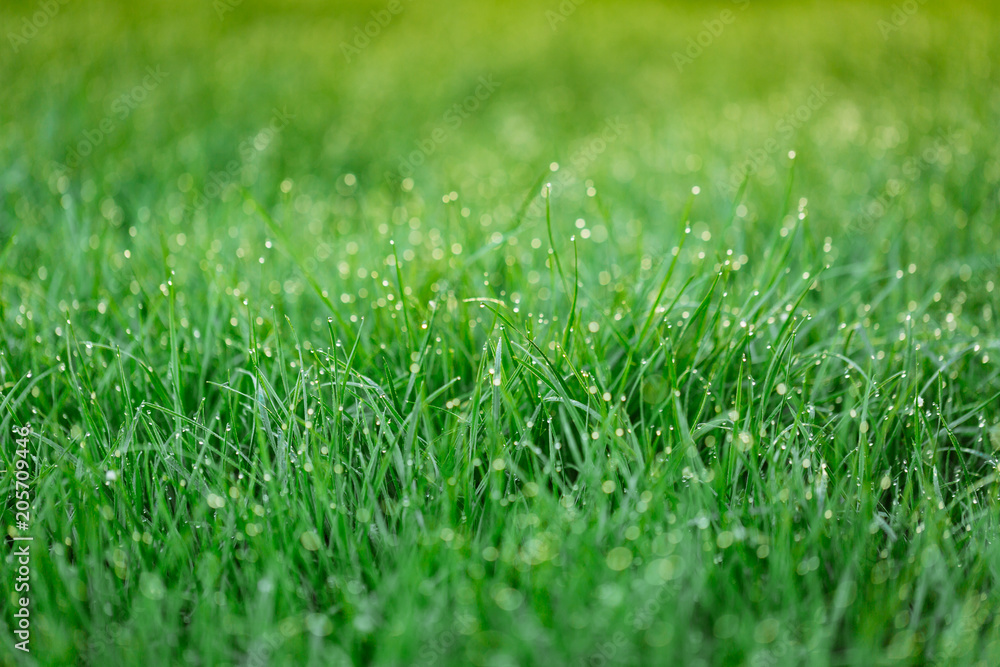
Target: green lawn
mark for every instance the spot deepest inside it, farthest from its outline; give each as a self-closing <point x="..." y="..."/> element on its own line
<point x="562" y="333"/>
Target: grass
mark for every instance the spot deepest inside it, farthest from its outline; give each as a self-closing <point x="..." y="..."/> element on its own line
<point x="322" y="369"/>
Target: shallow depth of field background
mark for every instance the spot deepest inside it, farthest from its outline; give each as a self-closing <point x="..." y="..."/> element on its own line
<point x="206" y="206"/>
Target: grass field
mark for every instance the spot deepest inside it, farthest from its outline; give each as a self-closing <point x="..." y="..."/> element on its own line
<point x="423" y="333"/>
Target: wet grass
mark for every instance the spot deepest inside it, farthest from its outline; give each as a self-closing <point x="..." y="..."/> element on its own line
<point x="619" y="361"/>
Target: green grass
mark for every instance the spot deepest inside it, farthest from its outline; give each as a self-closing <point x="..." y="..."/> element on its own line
<point x="604" y="378"/>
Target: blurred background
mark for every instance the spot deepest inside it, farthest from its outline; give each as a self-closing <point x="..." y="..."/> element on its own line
<point x="132" y="109"/>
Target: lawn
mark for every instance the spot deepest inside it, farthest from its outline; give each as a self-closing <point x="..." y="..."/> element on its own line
<point x="412" y="332"/>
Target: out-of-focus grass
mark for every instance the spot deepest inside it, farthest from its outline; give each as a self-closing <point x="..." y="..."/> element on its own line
<point x="376" y="400"/>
